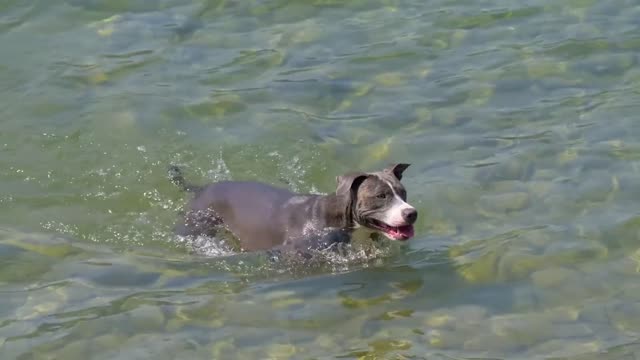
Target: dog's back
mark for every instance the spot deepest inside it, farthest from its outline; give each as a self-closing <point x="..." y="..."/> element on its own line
<point x="250" y="210"/>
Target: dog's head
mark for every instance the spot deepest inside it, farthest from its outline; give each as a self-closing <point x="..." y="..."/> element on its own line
<point x="378" y="201"/>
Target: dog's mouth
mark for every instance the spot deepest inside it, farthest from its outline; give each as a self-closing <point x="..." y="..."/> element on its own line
<point x="404" y="232"/>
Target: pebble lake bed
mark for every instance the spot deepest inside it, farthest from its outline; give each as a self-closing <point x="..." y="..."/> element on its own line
<point x="519" y="119"/>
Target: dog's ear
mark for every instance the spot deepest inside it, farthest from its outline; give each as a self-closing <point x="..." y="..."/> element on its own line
<point x="348" y="183"/>
<point x="347" y="193"/>
<point x="397" y="170"/>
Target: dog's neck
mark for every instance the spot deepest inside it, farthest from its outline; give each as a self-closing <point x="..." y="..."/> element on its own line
<point x="337" y="212"/>
<point x="361" y="233"/>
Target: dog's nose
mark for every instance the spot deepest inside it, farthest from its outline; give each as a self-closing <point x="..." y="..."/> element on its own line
<point x="410" y="215"/>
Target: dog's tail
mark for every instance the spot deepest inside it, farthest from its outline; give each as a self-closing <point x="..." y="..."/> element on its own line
<point x="176" y="177"/>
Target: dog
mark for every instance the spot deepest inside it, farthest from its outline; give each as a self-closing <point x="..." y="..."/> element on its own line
<point x="264" y="217"/>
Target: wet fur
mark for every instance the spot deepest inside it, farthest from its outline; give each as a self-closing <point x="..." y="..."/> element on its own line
<point x="264" y="217"/>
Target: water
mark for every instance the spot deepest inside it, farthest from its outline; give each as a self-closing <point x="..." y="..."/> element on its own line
<point x="519" y="119"/>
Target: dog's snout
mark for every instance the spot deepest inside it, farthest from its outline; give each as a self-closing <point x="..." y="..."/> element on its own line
<point x="410" y="215"/>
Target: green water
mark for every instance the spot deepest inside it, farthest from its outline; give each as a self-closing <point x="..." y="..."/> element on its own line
<point x="520" y="120"/>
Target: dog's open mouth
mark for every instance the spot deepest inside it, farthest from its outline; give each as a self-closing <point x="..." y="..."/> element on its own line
<point x="402" y="233"/>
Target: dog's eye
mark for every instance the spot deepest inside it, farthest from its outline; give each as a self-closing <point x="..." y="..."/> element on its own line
<point x="382" y="196"/>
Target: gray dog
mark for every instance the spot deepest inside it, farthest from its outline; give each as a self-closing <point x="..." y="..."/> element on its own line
<point x="264" y="217"/>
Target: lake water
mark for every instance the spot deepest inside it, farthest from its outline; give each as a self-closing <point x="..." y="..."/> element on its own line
<point x="520" y="120"/>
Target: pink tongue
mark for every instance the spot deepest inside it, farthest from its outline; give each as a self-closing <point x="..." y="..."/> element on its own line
<point x="403" y="232"/>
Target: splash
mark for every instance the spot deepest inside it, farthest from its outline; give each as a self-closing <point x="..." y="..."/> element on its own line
<point x="206" y="246"/>
<point x="220" y="170"/>
<point x="282" y="265"/>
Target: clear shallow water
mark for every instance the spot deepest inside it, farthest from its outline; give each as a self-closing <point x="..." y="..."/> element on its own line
<point x="519" y="118"/>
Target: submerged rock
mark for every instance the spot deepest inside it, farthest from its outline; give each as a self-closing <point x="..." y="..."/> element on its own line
<point x="476" y="261"/>
<point x="524" y="298"/>
<point x="281" y="351"/>
<point x="594" y="313"/>
<point x="390" y="79"/>
<point x="480" y="270"/>
<point x="521" y="329"/>
<point x="554" y="277"/>
<point x="625" y="317"/>
<point x="222" y="348"/>
<point x="517" y="264"/>
<point x="576" y="252"/>
<point x="457" y="317"/>
<point x="504" y="203"/>
<point x="80" y="349"/>
<point x="559" y="348"/>
<point x="107" y="342"/>
<point x="146" y="319"/>
<point x="489" y="342"/>
<point x="572" y="330"/>
<point x="325" y="341"/>
<point x="563" y="313"/>
<point x="445" y="339"/>
<point x="41" y="305"/>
